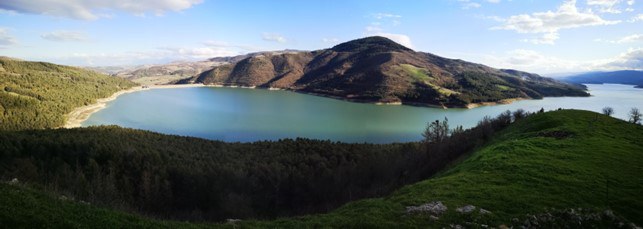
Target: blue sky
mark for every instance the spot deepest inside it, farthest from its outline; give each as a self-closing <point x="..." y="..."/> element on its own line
<point x="538" y="36"/>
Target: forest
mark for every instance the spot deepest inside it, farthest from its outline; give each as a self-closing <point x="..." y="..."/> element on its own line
<point x="37" y="95"/>
<point x="186" y="178"/>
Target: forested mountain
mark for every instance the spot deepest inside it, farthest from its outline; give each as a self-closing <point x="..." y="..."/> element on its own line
<point x="616" y="77"/>
<point x="37" y="95"/>
<point x="376" y="69"/>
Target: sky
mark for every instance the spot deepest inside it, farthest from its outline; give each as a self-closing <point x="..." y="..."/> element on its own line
<point x="540" y="36"/>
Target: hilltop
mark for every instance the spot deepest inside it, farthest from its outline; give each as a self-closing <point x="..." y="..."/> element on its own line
<point x="565" y="168"/>
<point x="376" y="69"/>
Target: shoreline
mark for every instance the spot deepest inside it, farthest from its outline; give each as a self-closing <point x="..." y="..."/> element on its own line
<point x="77" y="116"/>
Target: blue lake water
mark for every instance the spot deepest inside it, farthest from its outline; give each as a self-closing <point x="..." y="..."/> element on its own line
<point x="238" y="114"/>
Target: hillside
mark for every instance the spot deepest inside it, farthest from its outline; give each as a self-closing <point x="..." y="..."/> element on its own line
<point x="37" y="95"/>
<point x="158" y="74"/>
<point x="376" y="69"/>
<point x="616" y="77"/>
<point x="165" y="73"/>
<point x="556" y="169"/>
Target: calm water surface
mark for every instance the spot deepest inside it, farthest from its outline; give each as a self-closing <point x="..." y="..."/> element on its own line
<point x="237" y="114"/>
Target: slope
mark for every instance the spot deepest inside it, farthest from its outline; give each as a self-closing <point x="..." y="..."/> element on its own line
<point x="540" y="170"/>
<point x="376" y="69"/>
<point x="563" y="160"/>
<point x="36" y="95"/>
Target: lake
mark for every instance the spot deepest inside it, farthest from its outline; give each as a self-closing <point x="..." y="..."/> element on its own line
<point x="245" y="115"/>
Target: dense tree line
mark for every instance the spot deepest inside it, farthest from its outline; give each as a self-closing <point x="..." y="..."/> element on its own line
<point x="478" y="87"/>
<point x="36" y="95"/>
<point x="190" y="178"/>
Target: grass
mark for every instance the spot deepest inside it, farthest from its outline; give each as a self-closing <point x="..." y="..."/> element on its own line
<point x="23" y="207"/>
<point x="419" y="74"/>
<point x="503" y="87"/>
<point x="424" y="76"/>
<point x="563" y="159"/>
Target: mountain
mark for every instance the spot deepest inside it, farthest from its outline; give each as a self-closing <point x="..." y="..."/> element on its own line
<point x="162" y="73"/>
<point x="157" y="74"/>
<point x="616" y="77"/>
<point x="376" y="69"/>
<point x="561" y="169"/>
<point x="36" y="95"/>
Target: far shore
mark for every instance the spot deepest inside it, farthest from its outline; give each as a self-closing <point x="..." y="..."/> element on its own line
<point x="79" y="115"/>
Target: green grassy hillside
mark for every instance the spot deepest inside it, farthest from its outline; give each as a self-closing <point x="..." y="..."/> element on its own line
<point x="539" y="168"/>
<point x="37" y="95"/>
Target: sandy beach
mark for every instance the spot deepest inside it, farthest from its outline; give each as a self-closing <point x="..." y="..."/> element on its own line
<point x="80" y="114"/>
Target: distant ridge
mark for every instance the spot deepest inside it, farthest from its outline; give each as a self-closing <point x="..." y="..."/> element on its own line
<point x="631" y="77"/>
<point x="376" y="69"/>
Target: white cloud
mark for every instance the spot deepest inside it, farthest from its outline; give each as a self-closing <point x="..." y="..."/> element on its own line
<point x="6" y="39"/>
<point x="493" y="1"/>
<point x="160" y="55"/>
<point x="630" y="60"/>
<point x="393" y="19"/>
<point x="375" y="30"/>
<point x="468" y="4"/>
<point x="548" y="23"/>
<point x="385" y="15"/>
<point x="274" y="37"/>
<point x="63" y="35"/>
<point x="534" y="61"/>
<point x="547" y="38"/>
<point x="94" y="9"/>
<point x="605" y="6"/>
<point x="636" y="18"/>
<point x="529" y="59"/>
<point x="399" y="38"/>
<point x="628" y="39"/>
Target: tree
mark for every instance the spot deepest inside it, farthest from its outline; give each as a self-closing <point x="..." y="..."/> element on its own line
<point x="519" y="114"/>
<point x="436" y="131"/>
<point x="608" y="111"/>
<point x="635" y="116"/>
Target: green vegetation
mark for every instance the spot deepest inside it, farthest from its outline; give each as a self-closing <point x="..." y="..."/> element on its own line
<point x="37" y="95"/>
<point x="190" y="178"/>
<point x="482" y="88"/>
<point x="196" y="179"/>
<point x="424" y="76"/>
<point x="561" y="160"/>
<point x="419" y="74"/>
<point x="24" y="207"/>
<point x="565" y="159"/>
